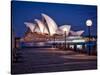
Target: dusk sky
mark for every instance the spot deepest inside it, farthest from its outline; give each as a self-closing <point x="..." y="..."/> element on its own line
<point x="74" y="15"/>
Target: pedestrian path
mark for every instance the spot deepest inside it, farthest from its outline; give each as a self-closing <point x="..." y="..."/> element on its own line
<point x="34" y="60"/>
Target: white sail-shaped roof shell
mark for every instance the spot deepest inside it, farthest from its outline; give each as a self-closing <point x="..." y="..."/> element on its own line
<point x="77" y="33"/>
<point x="49" y="26"/>
<point x="31" y="26"/>
<point x="41" y="26"/>
<point x="37" y="29"/>
<point x="68" y="27"/>
<point x="52" y="26"/>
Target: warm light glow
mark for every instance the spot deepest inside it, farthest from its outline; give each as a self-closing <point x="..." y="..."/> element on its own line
<point x="65" y="29"/>
<point x="89" y="22"/>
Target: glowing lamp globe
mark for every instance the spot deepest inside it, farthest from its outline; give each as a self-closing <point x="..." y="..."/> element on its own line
<point x="89" y="22"/>
<point x="65" y="29"/>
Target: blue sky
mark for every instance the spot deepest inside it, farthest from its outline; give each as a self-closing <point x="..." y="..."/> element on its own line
<point x="74" y="15"/>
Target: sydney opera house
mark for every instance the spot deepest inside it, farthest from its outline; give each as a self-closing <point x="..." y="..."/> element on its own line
<point x="47" y="30"/>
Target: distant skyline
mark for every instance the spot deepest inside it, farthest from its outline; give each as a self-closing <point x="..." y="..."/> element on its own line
<point x="74" y="15"/>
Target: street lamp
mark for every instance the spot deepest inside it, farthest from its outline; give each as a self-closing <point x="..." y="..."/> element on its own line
<point x="65" y="30"/>
<point x="89" y="24"/>
<point x="54" y="40"/>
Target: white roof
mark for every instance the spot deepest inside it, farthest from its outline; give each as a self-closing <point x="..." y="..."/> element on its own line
<point x="31" y="26"/>
<point x="50" y="27"/>
<point x="51" y="24"/>
<point x="41" y="26"/>
<point x="77" y="33"/>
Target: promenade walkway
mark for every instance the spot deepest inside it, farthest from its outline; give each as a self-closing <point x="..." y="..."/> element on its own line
<point x="38" y="60"/>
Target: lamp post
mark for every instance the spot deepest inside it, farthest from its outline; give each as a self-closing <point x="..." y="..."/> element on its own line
<point x="54" y="40"/>
<point x="65" y="30"/>
<point x="89" y="24"/>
